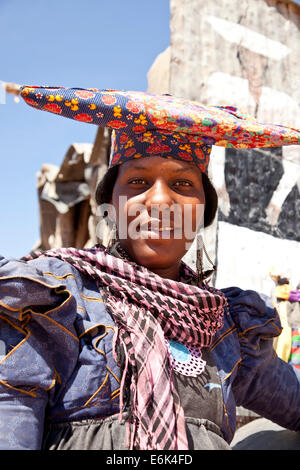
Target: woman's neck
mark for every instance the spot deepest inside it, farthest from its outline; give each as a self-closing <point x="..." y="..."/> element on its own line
<point x="171" y="272"/>
<point x="168" y="273"/>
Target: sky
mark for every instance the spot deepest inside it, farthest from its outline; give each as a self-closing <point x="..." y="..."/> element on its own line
<point x="91" y="44"/>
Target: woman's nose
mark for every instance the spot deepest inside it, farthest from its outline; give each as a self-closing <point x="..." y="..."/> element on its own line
<point x="159" y="194"/>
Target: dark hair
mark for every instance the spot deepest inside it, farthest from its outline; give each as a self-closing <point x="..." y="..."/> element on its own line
<point x="105" y="189"/>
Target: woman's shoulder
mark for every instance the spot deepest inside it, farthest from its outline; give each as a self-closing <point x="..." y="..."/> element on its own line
<point x="249" y="327"/>
<point x="45" y="281"/>
<point x="44" y="271"/>
<point x="39" y="265"/>
<point x="251" y="312"/>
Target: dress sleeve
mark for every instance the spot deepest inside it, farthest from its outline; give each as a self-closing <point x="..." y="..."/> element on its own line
<point x="264" y="383"/>
<point x="38" y="350"/>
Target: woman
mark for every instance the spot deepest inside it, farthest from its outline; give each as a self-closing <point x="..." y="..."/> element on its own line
<point x="126" y="347"/>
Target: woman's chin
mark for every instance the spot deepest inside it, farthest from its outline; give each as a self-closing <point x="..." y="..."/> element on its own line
<point x="155" y="252"/>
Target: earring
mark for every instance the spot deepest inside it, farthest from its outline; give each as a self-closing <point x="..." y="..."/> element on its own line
<point x="113" y="236"/>
<point x="199" y="260"/>
<point x="201" y="274"/>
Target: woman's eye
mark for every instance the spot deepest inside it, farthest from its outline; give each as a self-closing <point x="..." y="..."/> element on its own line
<point x="137" y="181"/>
<point x="182" y="183"/>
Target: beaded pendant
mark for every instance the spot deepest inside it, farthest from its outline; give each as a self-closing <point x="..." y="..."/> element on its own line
<point x="186" y="360"/>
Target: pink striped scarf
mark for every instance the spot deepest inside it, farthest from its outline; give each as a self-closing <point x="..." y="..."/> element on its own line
<point x="147" y="309"/>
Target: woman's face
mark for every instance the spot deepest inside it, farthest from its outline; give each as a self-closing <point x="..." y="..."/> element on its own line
<point x="159" y="205"/>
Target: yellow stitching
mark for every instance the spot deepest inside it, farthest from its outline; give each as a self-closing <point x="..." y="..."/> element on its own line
<point x="51" y="385"/>
<point x="91" y="298"/>
<point x="28" y="309"/>
<point x="97" y="391"/>
<point x="101" y="337"/>
<point x="91" y="328"/>
<point x="55" y="378"/>
<point x="27" y="335"/>
<point x="24" y="319"/>
<point x="224" y="335"/>
<point x="15" y="348"/>
<point x="64" y="302"/>
<point x="242" y="333"/>
<point x="60" y="277"/>
<point x="3" y="382"/>
<point x="10" y="308"/>
<point x="100" y="351"/>
<point x="24" y="332"/>
<point x="278" y="329"/>
<point x="226" y="332"/>
<point x="57" y="375"/>
<point x="83" y="309"/>
<point x="13" y="325"/>
<point x="57" y="324"/>
<point x="112" y="373"/>
<point x="115" y="394"/>
<point x="225" y="378"/>
<point x="31" y="279"/>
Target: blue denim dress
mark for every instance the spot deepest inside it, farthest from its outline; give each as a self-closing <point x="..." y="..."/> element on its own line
<point x="60" y="385"/>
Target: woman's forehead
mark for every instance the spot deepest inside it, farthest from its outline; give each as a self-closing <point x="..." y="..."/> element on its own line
<point x="157" y="164"/>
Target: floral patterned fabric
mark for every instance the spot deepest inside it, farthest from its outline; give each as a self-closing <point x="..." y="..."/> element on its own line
<point x="159" y="125"/>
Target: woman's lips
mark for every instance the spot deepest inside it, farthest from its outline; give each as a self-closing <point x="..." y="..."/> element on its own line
<point x="158" y="231"/>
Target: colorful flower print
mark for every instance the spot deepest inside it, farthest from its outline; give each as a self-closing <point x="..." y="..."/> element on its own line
<point x="186" y="147"/>
<point x="146" y="137"/>
<point x="53" y="108"/>
<point x="55" y="97"/>
<point x="123" y="138"/>
<point x="116" y="157"/>
<point x="185" y="156"/>
<point x="141" y="120"/>
<point x="117" y="111"/>
<point x="139" y="129"/>
<point x="199" y="153"/>
<point x="129" y="152"/>
<point x="25" y="92"/>
<point x="31" y="102"/>
<point x="117" y="124"/>
<point x="158" y="148"/>
<point x="109" y="100"/>
<point x="84" y="94"/>
<point x="129" y="143"/>
<point x="202" y="167"/>
<point x="135" y="107"/>
<point x="73" y="104"/>
<point x="160" y="124"/>
<point x="83" y="117"/>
